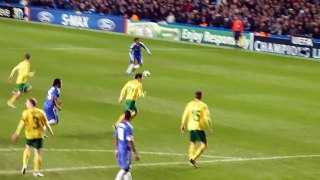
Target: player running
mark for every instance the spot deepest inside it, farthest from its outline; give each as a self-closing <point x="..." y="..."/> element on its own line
<point x="196" y="115"/>
<point x="132" y="90"/>
<point x="51" y="104"/>
<point x="33" y="119"/>
<point x="125" y="146"/>
<point x="23" y="69"/>
<point x="135" y="55"/>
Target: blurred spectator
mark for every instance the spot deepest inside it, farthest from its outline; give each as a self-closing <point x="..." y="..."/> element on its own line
<point x="282" y="17"/>
<point x="171" y="18"/>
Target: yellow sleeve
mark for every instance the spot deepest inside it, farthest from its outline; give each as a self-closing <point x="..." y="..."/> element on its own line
<point x="123" y="91"/>
<point x="14" y="70"/>
<point x="185" y="115"/>
<point x="19" y="128"/>
<point x="21" y="123"/>
<point x="46" y="123"/>
<point x="207" y="117"/>
<point x="140" y="91"/>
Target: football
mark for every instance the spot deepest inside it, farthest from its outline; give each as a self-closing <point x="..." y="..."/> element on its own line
<point x="146" y="73"/>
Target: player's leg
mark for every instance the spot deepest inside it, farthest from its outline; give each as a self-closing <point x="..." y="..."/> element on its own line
<point x="16" y="95"/>
<point x="127" y="176"/>
<point x="124" y="165"/>
<point x="129" y="106"/>
<point x="130" y="68"/>
<point x="120" y="174"/>
<point x="52" y="116"/>
<point x="26" y="156"/>
<point x="37" y="158"/>
<point x="139" y="63"/>
<point x="27" y="88"/>
<point x="236" y="38"/>
<point x="133" y="109"/>
<point x="192" y="149"/>
<point x="203" y="145"/>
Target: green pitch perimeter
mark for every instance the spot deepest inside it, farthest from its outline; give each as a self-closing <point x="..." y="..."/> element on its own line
<point x="266" y="109"/>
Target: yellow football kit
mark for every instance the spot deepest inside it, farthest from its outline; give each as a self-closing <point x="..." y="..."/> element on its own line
<point x="196" y="116"/>
<point x="132" y="90"/>
<point x="23" y="69"/>
<point x="34" y="120"/>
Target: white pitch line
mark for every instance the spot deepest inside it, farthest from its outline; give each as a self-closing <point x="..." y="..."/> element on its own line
<point x="170" y="163"/>
<point x="111" y="151"/>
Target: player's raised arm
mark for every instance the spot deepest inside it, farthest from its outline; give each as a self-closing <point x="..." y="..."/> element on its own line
<point x="145" y="47"/>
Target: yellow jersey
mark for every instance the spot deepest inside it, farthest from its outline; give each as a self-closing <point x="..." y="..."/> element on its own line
<point x="133" y="89"/>
<point x="34" y="120"/>
<point x="23" y="69"/>
<point x="196" y="115"/>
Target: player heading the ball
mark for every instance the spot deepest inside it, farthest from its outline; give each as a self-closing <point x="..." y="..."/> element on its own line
<point x="131" y="91"/>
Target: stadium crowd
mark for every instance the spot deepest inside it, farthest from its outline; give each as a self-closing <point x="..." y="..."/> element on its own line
<point x="282" y="17"/>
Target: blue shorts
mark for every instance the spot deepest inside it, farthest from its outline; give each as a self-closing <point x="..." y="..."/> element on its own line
<point x="51" y="113"/>
<point x="138" y="59"/>
<point x="124" y="159"/>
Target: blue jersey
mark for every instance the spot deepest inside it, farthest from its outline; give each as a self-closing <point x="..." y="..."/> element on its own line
<point x="135" y="51"/>
<point x="124" y="135"/>
<point x="53" y="94"/>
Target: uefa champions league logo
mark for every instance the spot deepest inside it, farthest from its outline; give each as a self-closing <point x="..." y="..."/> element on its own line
<point x="45" y="17"/>
<point x="106" y="24"/>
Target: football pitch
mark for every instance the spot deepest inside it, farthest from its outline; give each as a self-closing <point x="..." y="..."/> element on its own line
<point x="265" y="108"/>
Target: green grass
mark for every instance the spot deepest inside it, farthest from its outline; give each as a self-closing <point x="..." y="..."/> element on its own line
<point x="262" y="106"/>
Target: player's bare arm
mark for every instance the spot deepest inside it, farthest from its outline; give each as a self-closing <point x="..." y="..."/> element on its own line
<point x="132" y="146"/>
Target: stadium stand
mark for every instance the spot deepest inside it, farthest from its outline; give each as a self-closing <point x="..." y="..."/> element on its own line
<point x="281" y="17"/>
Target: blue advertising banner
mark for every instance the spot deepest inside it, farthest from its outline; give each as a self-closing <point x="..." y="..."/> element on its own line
<point x="69" y="18"/>
<point x="295" y="46"/>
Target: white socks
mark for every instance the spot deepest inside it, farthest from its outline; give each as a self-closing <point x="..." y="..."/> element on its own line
<point x="120" y="174"/>
<point x="123" y="175"/>
<point x="127" y="176"/>
<point x="130" y="69"/>
<point x="53" y="121"/>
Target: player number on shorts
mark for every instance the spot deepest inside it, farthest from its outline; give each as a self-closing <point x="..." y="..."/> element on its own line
<point x="120" y="133"/>
<point x="196" y="115"/>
